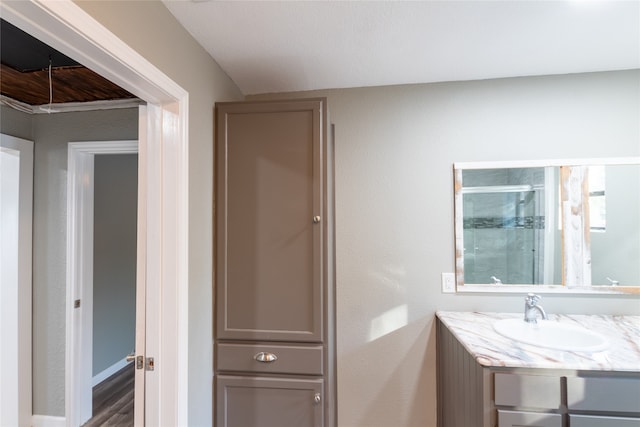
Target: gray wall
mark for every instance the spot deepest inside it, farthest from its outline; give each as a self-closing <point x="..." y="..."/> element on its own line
<point x="114" y="265"/>
<point x="395" y="147"/>
<point x="15" y="123"/>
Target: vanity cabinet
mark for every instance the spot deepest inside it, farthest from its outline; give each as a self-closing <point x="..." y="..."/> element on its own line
<point x="274" y="322"/>
<point x="472" y="394"/>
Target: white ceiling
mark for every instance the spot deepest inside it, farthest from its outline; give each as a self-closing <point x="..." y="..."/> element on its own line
<point x="281" y="46"/>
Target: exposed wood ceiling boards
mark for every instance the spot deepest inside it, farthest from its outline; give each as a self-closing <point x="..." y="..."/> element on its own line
<point x="24" y="74"/>
<point x="70" y="84"/>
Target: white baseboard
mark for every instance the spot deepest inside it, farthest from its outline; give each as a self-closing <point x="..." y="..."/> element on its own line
<point x="48" y="421"/>
<point x="101" y="376"/>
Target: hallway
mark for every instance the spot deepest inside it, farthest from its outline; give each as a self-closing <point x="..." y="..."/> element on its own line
<point x="113" y="400"/>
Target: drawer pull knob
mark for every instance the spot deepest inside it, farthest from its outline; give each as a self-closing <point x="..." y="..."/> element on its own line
<point x="317" y="398"/>
<point x="265" y="357"/>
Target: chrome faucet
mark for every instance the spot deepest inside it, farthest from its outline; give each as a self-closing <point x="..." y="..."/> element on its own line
<point x="496" y="281"/>
<point x="531" y="307"/>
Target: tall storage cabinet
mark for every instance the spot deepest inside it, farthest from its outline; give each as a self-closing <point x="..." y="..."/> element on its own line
<point x="274" y="269"/>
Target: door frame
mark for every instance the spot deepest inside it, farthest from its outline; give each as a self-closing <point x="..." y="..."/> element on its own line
<point x="164" y="180"/>
<point x="80" y="228"/>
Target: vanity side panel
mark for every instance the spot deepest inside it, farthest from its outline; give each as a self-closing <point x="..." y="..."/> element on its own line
<point x="463" y="385"/>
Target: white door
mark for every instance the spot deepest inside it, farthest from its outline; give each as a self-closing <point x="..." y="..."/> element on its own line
<point x="80" y="276"/>
<point x="16" y="189"/>
<point x="141" y="276"/>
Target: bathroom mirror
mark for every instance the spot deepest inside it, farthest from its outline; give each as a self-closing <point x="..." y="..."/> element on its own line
<point x="556" y="225"/>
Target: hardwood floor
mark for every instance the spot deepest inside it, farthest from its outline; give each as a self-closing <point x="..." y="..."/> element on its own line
<point x="113" y="400"/>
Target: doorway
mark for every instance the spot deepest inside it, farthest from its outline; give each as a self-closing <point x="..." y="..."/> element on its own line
<point x="163" y="187"/>
<point x="101" y="254"/>
<point x="114" y="287"/>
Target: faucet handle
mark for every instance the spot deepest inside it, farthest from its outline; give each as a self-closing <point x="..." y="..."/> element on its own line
<point x="531" y="307"/>
<point x="532" y="299"/>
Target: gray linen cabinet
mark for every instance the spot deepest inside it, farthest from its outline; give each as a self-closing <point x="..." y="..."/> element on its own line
<point x="274" y="265"/>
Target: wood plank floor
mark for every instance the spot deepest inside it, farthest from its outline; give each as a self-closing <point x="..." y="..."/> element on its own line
<point x="113" y="400"/>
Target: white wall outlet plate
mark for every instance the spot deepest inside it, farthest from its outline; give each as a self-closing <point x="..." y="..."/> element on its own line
<point x="448" y="283"/>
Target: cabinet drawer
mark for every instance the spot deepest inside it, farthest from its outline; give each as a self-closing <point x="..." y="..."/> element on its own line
<point x="593" y="421"/>
<point x="528" y="419"/>
<point x="529" y="391"/>
<point x="289" y="359"/>
<point x="604" y="394"/>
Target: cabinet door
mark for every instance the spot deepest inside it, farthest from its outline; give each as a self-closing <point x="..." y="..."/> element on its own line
<point x="603" y="394"/>
<point x="528" y="419"/>
<point x="270" y="220"/>
<point x="269" y="402"/>
<point x="531" y="391"/>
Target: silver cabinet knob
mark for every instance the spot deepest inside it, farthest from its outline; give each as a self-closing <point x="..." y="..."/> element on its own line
<point x="316" y="219"/>
<point x="265" y="357"/>
<point x="317" y="398"/>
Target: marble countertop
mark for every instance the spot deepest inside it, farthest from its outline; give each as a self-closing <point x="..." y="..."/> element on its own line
<point x="475" y="332"/>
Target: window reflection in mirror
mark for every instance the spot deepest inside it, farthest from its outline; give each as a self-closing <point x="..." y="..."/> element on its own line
<point x="615" y="249"/>
<point x="545" y="223"/>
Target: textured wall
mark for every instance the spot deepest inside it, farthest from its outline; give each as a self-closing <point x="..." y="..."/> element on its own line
<point x="15" y="123"/>
<point x="395" y="147"/>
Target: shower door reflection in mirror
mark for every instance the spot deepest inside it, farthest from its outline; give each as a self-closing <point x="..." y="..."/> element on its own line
<point x="508" y="216"/>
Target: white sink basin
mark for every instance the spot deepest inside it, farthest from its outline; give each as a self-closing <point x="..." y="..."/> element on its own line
<point x="550" y="334"/>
